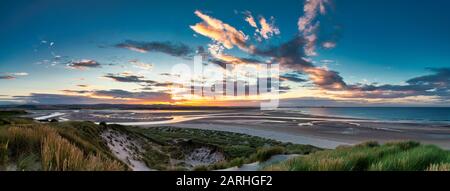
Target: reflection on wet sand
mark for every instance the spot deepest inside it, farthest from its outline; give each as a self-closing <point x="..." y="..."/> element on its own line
<point x="286" y="126"/>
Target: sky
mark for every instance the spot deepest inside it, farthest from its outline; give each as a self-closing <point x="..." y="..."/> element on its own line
<point x="330" y="53"/>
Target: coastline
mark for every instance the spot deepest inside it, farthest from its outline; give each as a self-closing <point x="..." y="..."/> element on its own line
<point x="294" y="127"/>
<point x="328" y="135"/>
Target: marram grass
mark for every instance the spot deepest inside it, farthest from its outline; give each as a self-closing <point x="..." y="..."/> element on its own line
<point x="28" y="144"/>
<point x="401" y="156"/>
<point x="78" y="146"/>
<point x="58" y="154"/>
<point x="439" y="167"/>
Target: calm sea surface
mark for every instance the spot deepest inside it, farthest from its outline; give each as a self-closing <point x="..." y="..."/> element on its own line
<point x="422" y="114"/>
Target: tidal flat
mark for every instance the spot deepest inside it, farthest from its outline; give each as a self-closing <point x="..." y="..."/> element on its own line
<point x="281" y="125"/>
<point x="233" y="140"/>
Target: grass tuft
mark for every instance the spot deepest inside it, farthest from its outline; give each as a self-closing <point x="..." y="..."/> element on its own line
<point x="405" y="156"/>
<point x="439" y="167"/>
<point x="265" y="153"/>
<point x="40" y="147"/>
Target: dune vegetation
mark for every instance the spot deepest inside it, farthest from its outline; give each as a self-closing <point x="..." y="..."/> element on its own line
<point x="83" y="146"/>
<point x="27" y="145"/>
<point x="164" y="145"/>
<point x="370" y="156"/>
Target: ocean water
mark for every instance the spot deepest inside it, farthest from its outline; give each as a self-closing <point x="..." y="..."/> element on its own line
<point x="415" y="114"/>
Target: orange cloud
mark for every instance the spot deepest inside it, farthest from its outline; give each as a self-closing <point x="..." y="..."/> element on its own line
<point x="84" y="64"/>
<point x="307" y="25"/>
<point x="221" y="32"/>
<point x="251" y="21"/>
<point x="267" y="30"/>
<point x="325" y="78"/>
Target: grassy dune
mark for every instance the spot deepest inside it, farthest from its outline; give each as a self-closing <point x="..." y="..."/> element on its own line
<point x="26" y="145"/>
<point x="40" y="147"/>
<point x="62" y="146"/>
<point x="67" y="146"/>
<point x="166" y="143"/>
<point x="370" y="156"/>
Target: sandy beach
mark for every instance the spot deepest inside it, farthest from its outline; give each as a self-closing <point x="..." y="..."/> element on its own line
<point x="285" y="126"/>
<point x="325" y="133"/>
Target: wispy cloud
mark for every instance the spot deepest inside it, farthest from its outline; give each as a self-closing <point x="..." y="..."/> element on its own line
<point x="83" y="64"/>
<point x="221" y="32"/>
<point x="20" y="74"/>
<point x="293" y="76"/>
<point x="308" y="25"/>
<point x="435" y="84"/>
<point x="143" y="96"/>
<point x="291" y="55"/>
<point x="310" y="10"/>
<point x="7" y="77"/>
<point x="159" y="86"/>
<point x="266" y="29"/>
<point x="76" y="91"/>
<point x="141" y="65"/>
<point x="326" y="79"/>
<point x="12" y="76"/>
<point x="329" y="45"/>
<point x="171" y="48"/>
<point x="117" y="94"/>
<point x="224" y="59"/>
<point x="38" y="98"/>
<point x="128" y="78"/>
<point x="250" y="19"/>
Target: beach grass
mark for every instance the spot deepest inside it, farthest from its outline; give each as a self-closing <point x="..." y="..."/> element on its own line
<point x="37" y="146"/>
<point x="79" y="146"/>
<point x="370" y="156"/>
<point x="264" y="154"/>
<point x="237" y="148"/>
<point x="58" y="154"/>
<point x="439" y="167"/>
<point x="83" y="134"/>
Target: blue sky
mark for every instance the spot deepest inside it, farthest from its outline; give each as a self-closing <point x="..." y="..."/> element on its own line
<point x="383" y="42"/>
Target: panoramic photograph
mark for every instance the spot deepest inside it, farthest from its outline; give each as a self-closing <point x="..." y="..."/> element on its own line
<point x="257" y="85"/>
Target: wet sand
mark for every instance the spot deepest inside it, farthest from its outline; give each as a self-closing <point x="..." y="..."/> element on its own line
<point x="318" y="131"/>
<point x="282" y="125"/>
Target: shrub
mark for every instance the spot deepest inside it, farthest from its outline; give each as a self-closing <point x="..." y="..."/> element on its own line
<point x="238" y="151"/>
<point x="27" y="162"/>
<point x="371" y="156"/>
<point x="369" y="144"/>
<point x="201" y="168"/>
<point x="237" y="162"/>
<point x="301" y="149"/>
<point x="156" y="159"/>
<point x="404" y="145"/>
<point x="265" y="153"/>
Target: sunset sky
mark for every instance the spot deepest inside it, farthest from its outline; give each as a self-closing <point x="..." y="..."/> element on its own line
<point x="331" y="53"/>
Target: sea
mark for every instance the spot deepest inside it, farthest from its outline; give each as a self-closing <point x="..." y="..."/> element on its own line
<point x="407" y="114"/>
